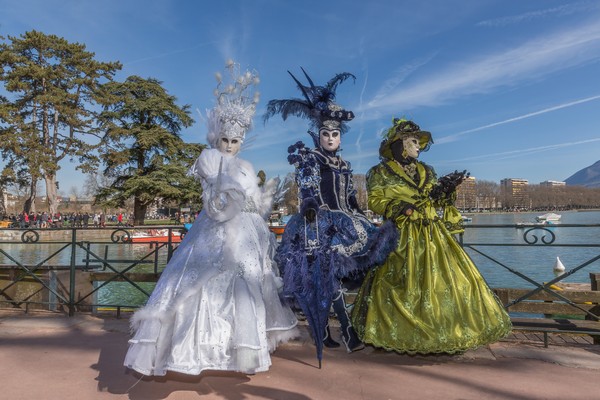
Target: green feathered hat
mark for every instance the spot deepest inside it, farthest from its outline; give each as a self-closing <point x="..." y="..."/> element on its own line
<point x="400" y="129"/>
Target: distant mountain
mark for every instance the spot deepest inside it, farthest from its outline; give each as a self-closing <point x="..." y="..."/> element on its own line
<point x="588" y="177"/>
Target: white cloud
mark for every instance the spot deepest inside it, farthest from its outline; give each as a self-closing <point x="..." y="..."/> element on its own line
<point x="400" y="75"/>
<point x="523" y="152"/>
<point x="454" y="137"/>
<point x="534" y="59"/>
<point x="562" y="10"/>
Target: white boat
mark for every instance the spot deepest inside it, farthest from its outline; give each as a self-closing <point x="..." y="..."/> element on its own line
<point x="549" y="217"/>
<point x="531" y="224"/>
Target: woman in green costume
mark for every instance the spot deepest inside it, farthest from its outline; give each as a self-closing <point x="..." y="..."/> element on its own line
<point x="428" y="296"/>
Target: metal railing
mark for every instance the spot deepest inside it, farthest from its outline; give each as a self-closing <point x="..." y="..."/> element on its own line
<point x="43" y="268"/>
<point x="540" y="238"/>
<point x="74" y="265"/>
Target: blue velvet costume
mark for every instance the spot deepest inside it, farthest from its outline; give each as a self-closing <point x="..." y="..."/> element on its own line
<point x="325" y="183"/>
<point x="330" y="238"/>
<point x="342" y="242"/>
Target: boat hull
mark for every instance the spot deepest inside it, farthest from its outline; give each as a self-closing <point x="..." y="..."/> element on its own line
<point x="278" y="230"/>
<point x="155" y="239"/>
<point x="548" y="217"/>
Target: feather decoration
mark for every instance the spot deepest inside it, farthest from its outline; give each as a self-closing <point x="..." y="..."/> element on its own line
<point x="308" y="94"/>
<point x="337" y="80"/>
<point x="295" y="107"/>
<point x="318" y="104"/>
<point x="236" y="102"/>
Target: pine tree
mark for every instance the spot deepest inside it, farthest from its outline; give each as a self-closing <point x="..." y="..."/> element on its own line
<point x="51" y="115"/>
<point x="142" y="149"/>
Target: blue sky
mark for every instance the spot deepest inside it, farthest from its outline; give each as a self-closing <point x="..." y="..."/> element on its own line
<point x="508" y="88"/>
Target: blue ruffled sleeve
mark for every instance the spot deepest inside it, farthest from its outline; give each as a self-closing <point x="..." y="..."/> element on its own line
<point x="308" y="177"/>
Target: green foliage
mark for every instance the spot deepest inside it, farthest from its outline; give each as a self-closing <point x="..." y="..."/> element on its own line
<point x="55" y="87"/>
<point x="142" y="150"/>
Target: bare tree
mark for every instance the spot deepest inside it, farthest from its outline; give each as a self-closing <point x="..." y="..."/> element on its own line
<point x="359" y="182"/>
<point x="290" y="198"/>
<point x="488" y="194"/>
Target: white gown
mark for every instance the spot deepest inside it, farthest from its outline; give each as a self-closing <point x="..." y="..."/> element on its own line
<point x="216" y="305"/>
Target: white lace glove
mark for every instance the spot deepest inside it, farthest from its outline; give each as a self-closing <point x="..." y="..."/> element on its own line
<point x="226" y="204"/>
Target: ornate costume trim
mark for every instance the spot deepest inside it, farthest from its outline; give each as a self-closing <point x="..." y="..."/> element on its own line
<point x="250" y="206"/>
<point x="308" y="176"/>
<point x="236" y="104"/>
<point x="359" y="244"/>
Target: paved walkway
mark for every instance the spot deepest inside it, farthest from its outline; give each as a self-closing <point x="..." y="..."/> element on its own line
<point x="50" y="356"/>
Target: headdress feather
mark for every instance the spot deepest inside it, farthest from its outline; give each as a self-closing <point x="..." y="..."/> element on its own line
<point x="318" y="105"/>
<point x="235" y="106"/>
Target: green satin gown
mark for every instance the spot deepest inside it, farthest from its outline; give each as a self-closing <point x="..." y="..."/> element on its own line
<point x="428" y="296"/>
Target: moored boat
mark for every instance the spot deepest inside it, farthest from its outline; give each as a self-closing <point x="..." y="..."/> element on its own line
<point x="548" y="217"/>
<point x="278" y="230"/>
<point x="533" y="224"/>
<point x="156" y="236"/>
<point x="276" y="224"/>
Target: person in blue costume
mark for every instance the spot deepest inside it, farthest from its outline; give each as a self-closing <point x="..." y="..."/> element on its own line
<point x="329" y="238"/>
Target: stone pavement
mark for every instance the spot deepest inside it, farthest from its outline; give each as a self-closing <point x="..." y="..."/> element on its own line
<point x="52" y="356"/>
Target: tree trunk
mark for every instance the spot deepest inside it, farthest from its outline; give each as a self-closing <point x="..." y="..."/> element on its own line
<point x="29" y="205"/>
<point x="51" y="194"/>
<point x="3" y="202"/>
<point x="139" y="211"/>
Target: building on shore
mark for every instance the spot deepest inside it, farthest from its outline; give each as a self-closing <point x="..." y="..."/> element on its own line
<point x="466" y="195"/>
<point x="553" y="184"/>
<point x="514" y="192"/>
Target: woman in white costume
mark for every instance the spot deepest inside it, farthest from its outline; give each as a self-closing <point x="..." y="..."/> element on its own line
<point x="216" y="305"/>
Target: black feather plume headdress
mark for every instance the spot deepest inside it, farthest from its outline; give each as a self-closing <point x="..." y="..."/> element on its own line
<point x="318" y="105"/>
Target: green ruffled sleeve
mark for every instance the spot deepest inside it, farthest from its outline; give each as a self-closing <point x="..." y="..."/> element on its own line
<point x="389" y="196"/>
<point x="451" y="216"/>
<point x="453" y="220"/>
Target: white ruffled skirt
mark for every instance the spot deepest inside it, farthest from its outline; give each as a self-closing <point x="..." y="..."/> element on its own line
<point x="216" y="305"/>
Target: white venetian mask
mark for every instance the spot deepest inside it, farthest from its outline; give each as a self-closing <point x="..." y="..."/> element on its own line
<point x="411" y="146"/>
<point x="330" y="139"/>
<point x="230" y="146"/>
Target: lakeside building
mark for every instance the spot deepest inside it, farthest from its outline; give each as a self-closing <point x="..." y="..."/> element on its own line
<point x="553" y="184"/>
<point x="9" y="203"/>
<point x="466" y="195"/>
<point x="514" y="193"/>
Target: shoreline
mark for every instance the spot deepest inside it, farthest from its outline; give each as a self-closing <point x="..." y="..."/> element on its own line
<point x="526" y="212"/>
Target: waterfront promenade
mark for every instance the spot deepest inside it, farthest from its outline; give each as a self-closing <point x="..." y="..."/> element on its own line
<point x="51" y="356"/>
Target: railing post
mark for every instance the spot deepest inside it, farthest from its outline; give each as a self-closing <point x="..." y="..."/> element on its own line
<point x="169" y="244"/>
<point x="595" y="280"/>
<point x="87" y="256"/>
<point x="72" y="272"/>
<point x="595" y="285"/>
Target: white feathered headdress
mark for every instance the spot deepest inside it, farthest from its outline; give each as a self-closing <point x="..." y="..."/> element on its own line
<point x="236" y="104"/>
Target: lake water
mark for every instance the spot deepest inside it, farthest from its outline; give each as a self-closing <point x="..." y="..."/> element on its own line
<point x="535" y="261"/>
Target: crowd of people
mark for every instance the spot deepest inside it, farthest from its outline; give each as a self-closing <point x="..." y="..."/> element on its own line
<point x="42" y="220"/>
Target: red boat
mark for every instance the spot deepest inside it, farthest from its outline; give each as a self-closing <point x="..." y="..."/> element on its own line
<point x="156" y="236"/>
<point x="276" y="224"/>
<point x="277" y="229"/>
